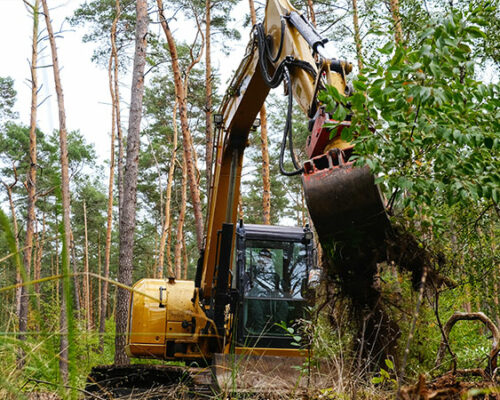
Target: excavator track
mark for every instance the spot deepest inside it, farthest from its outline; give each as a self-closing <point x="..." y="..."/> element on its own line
<point x="151" y="382"/>
<point x="242" y="377"/>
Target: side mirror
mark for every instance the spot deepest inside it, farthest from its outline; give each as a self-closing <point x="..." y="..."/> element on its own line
<point x="314" y="278"/>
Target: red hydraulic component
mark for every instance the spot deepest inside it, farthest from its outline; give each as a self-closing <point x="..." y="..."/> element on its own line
<point x="320" y="136"/>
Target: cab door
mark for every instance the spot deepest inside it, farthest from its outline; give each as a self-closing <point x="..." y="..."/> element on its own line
<point x="273" y="274"/>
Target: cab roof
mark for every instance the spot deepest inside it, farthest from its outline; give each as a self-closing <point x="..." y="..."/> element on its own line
<point x="271" y="232"/>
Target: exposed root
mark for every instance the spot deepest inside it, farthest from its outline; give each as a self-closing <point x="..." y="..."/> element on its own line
<point x="352" y="266"/>
<point x="477" y="316"/>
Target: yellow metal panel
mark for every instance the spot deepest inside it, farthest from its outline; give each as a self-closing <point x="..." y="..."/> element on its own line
<point x="263" y="351"/>
<point x="147" y="317"/>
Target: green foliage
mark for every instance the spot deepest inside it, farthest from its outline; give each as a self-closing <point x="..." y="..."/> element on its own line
<point x="7" y="99"/>
<point x="42" y="361"/>
<point x="386" y="376"/>
<point x="424" y="124"/>
<point x="98" y="15"/>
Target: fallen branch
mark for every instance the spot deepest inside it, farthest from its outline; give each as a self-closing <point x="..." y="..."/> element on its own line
<point x="477" y="316"/>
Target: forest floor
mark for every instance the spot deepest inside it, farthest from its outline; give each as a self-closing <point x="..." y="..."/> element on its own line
<point x="463" y="384"/>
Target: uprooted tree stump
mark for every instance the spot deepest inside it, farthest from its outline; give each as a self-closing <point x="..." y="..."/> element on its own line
<point x="454" y="384"/>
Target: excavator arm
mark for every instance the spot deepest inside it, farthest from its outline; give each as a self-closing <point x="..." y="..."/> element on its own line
<point x="284" y="48"/>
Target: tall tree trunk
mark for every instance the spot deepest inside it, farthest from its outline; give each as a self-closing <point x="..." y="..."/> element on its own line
<point x="86" y="285"/>
<point x="119" y="131"/>
<point x="180" y="222"/>
<point x="30" y="182"/>
<point x="168" y="255"/>
<point x="127" y="222"/>
<point x="208" y="102"/>
<point x="65" y="306"/>
<point x="115" y="110"/>
<point x="180" y="94"/>
<point x="266" y="181"/>
<point x="312" y="14"/>
<point x="166" y="229"/>
<point x="357" y="37"/>
<point x="396" y="16"/>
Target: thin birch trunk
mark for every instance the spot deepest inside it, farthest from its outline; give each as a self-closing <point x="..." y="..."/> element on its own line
<point x="312" y="14"/>
<point x="128" y="214"/>
<point x="180" y="222"/>
<point x="168" y="197"/>
<point x="396" y="16"/>
<point x="63" y="361"/>
<point x="357" y="37"/>
<point x="186" y="133"/>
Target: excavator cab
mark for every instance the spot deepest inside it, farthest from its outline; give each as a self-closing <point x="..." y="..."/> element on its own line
<point x="273" y="264"/>
<point x="274" y="274"/>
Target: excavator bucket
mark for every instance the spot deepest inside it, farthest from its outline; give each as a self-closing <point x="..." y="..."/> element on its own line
<point x="263" y="374"/>
<point x="343" y="200"/>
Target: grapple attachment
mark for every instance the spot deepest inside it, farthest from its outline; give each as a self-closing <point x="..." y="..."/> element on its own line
<point x="342" y="199"/>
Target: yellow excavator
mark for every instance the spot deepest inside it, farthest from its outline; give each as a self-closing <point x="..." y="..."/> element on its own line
<point x="252" y="281"/>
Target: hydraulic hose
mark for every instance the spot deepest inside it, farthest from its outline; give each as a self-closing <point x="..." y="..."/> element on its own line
<point x="287" y="133"/>
<point x="281" y="73"/>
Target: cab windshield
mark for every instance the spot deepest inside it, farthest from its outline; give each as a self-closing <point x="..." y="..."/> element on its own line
<point x="274" y="285"/>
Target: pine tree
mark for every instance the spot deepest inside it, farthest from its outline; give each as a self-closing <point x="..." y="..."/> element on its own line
<point x="128" y="212"/>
